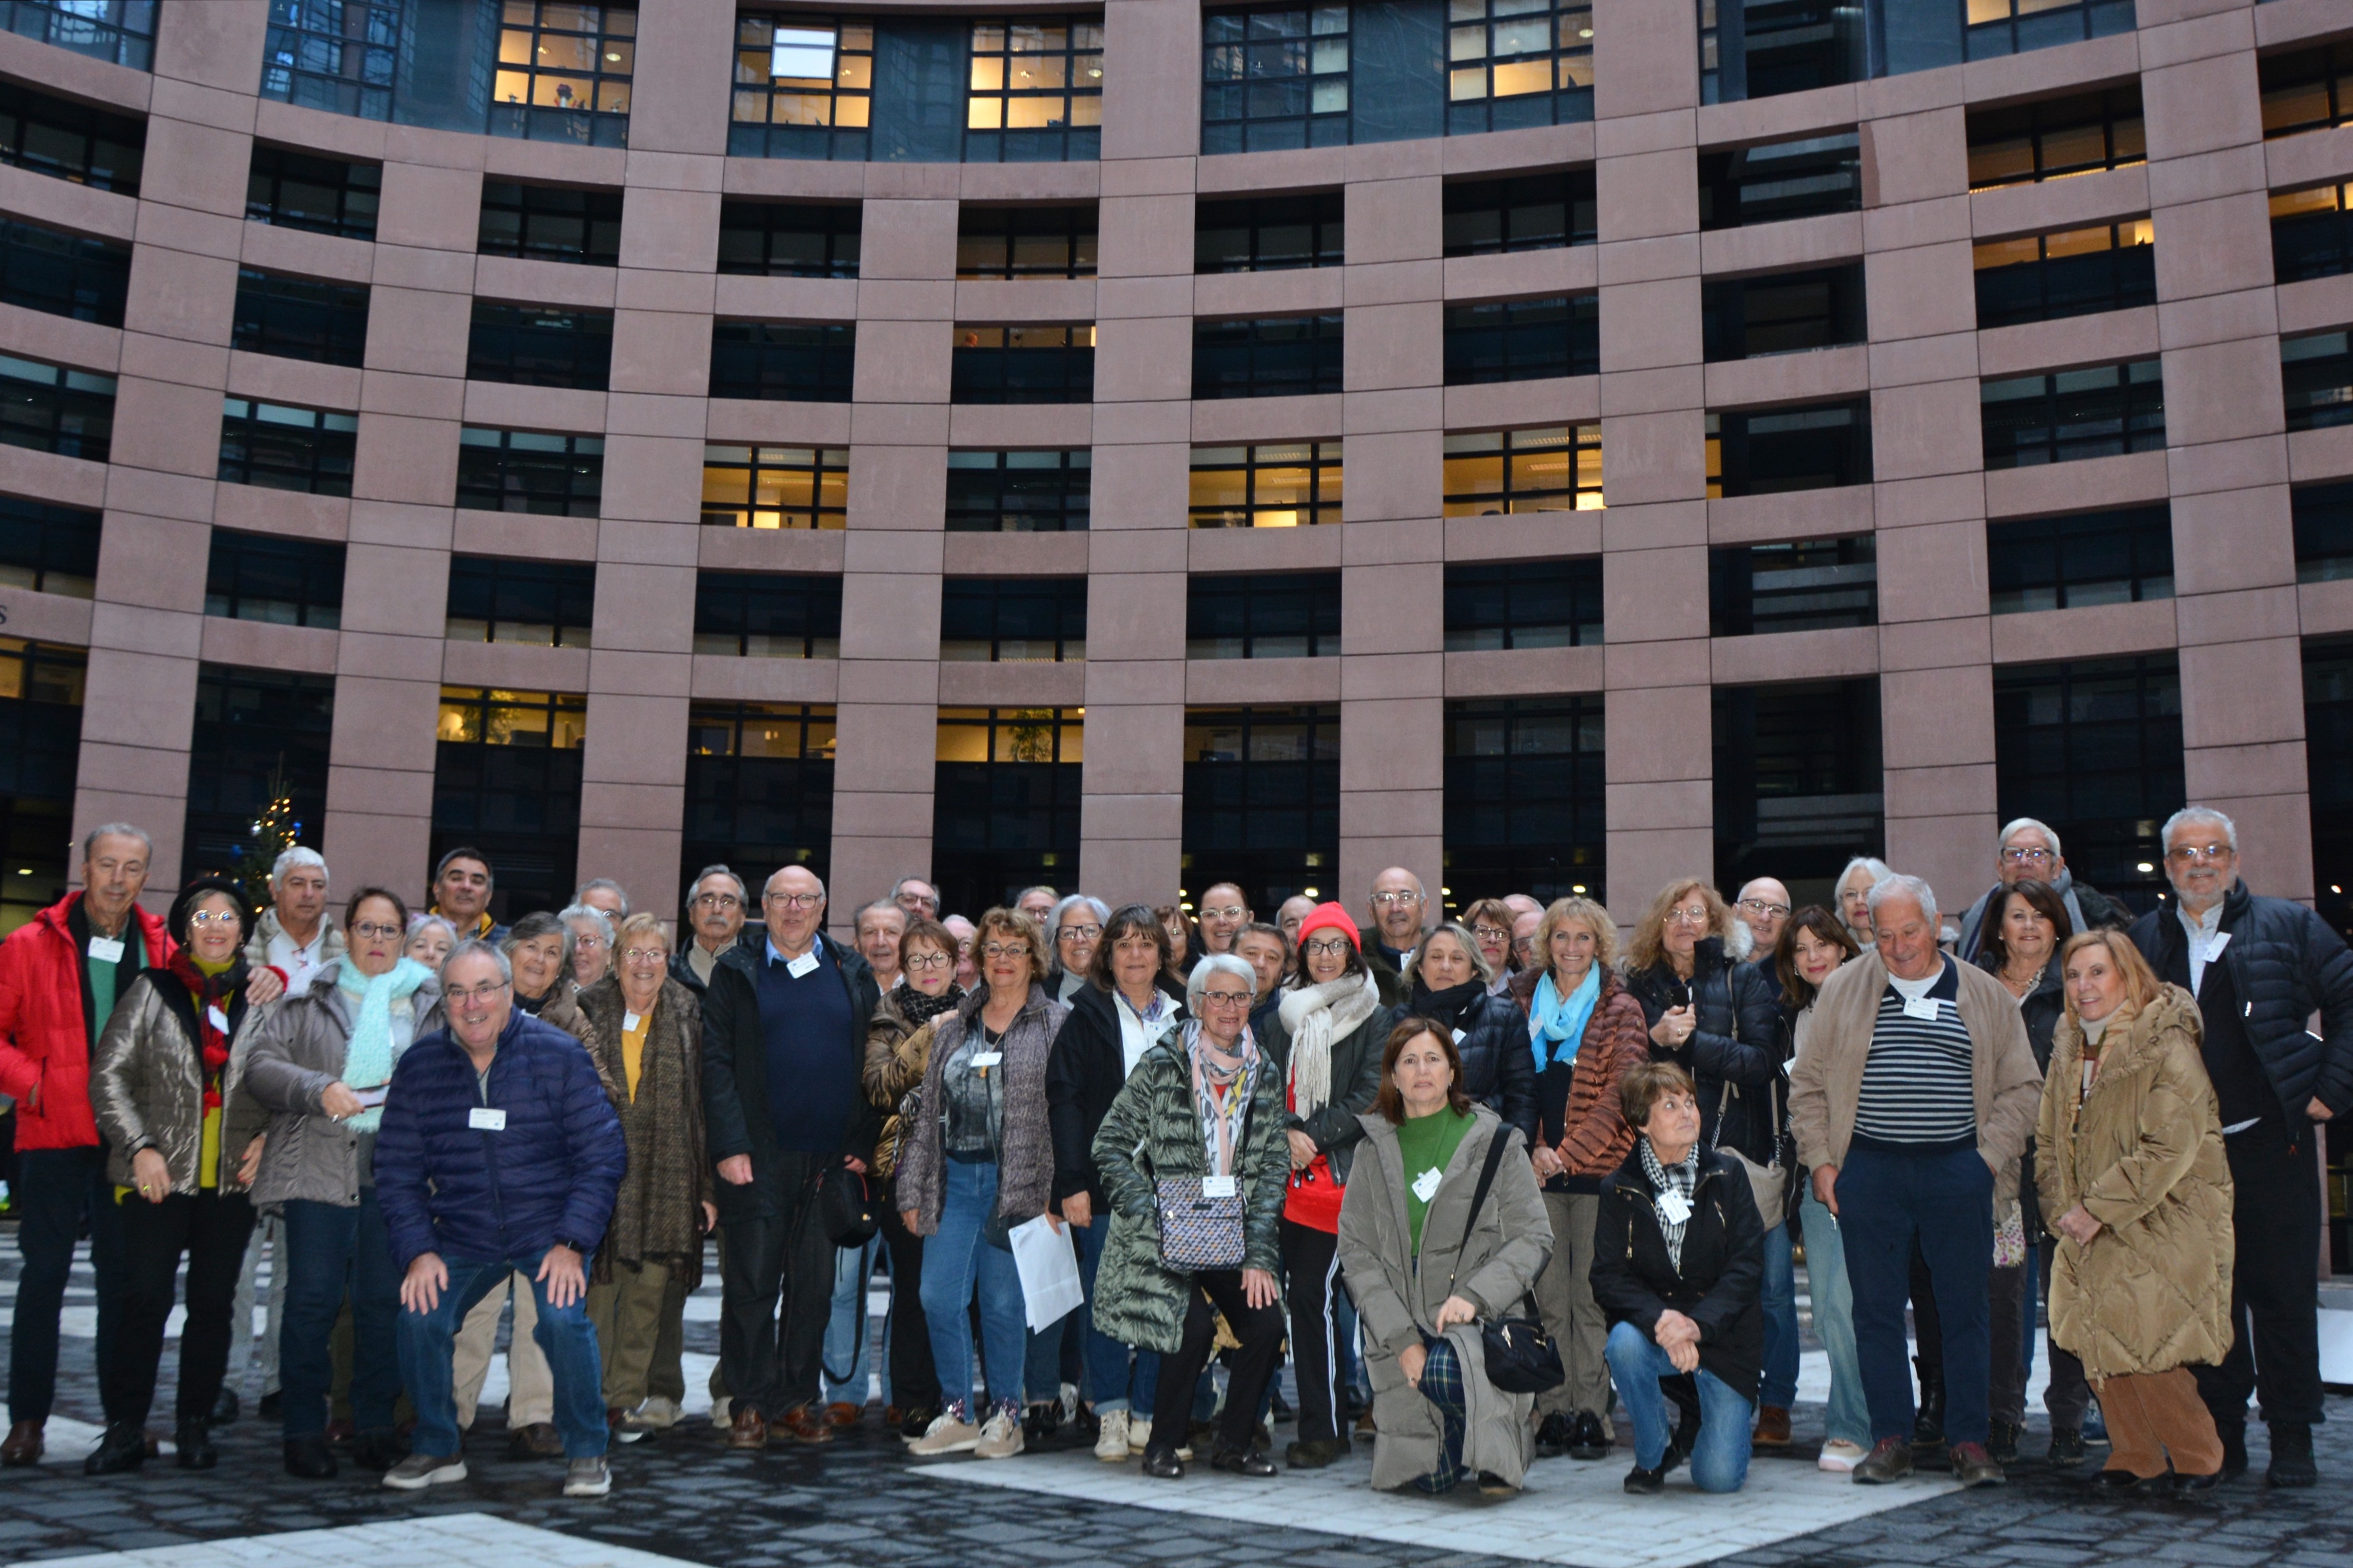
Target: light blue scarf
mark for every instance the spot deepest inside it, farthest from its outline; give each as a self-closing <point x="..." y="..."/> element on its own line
<point x="367" y="1060"/>
<point x="1557" y="1023"/>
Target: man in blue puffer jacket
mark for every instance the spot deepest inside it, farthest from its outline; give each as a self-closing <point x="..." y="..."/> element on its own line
<point x="499" y="1153"/>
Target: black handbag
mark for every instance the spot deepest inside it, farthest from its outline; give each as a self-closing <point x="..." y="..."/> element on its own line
<point x="1520" y="1357"/>
<point x="847" y="1209"/>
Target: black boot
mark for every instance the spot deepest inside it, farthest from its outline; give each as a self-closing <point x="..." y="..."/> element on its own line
<point x="1928" y="1427"/>
<point x="310" y="1458"/>
<point x="378" y="1449"/>
<point x="194" y="1440"/>
<point x="2002" y="1444"/>
<point x="125" y="1447"/>
<point x="2292" y="1463"/>
<point x="226" y="1408"/>
<point x="2234" y="1448"/>
<point x="1552" y="1437"/>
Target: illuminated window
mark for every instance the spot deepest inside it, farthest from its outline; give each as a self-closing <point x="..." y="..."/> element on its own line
<point x="1037" y="90"/>
<point x="551" y="720"/>
<point x="563" y="72"/>
<point x="1286" y="485"/>
<point x="2029" y="143"/>
<point x="1997" y="28"/>
<point x="1515" y="63"/>
<point x="2070" y="272"/>
<point x="2310" y="89"/>
<point x="775" y="487"/>
<point x="1557" y="467"/>
<point x="2312" y="233"/>
<point x="804" y="87"/>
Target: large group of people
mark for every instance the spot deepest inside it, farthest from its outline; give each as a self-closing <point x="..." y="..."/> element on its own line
<point x="1497" y="1193"/>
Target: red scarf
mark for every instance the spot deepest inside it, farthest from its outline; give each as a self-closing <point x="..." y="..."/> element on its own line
<point x="209" y="991"/>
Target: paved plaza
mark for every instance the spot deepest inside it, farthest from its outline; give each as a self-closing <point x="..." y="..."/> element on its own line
<point x="683" y="1498"/>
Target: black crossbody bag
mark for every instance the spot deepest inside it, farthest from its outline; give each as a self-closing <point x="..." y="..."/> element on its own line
<point x="1520" y="1357"/>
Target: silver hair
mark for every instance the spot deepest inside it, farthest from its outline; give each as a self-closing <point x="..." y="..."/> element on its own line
<point x="900" y="885"/>
<point x="1880" y="871"/>
<point x="2020" y="824"/>
<point x="294" y="856"/>
<point x="606" y="884"/>
<point x="1037" y="888"/>
<point x="1462" y="933"/>
<point x="2198" y="814"/>
<point x="1216" y="963"/>
<point x="473" y="946"/>
<point x="419" y="921"/>
<point x="743" y="893"/>
<point x="594" y="916"/>
<point x="1054" y="921"/>
<point x="1914" y="888"/>
<point x="537" y="924"/>
<point x="117" y="830"/>
<point x="878" y="906"/>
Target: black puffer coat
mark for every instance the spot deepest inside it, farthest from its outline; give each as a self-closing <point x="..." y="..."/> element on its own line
<point x="1736" y="1042"/>
<point x="1084" y="1075"/>
<point x="2285" y="964"/>
<point x="1721" y="1276"/>
<point x="1499" y="1067"/>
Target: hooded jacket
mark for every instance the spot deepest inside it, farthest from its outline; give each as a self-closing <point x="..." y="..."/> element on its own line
<point x="45" y="1040"/>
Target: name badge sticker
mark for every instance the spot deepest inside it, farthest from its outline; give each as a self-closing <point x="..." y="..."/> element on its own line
<point x="487" y="1119"/>
<point x="629" y="1021"/>
<point x="1675" y="1207"/>
<point x="1425" y="1186"/>
<point x="1920" y="1008"/>
<point x="1459" y="1036"/>
<point x="980" y="1059"/>
<point x="803" y="966"/>
<point x="370" y="1099"/>
<point x="219" y="1019"/>
<point x="2215" y="944"/>
<point x="1217" y="1186"/>
<point x="106" y="949"/>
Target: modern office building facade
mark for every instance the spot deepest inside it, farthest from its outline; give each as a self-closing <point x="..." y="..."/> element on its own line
<point x="1550" y="444"/>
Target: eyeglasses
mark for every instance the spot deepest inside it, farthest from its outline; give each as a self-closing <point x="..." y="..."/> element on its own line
<point x="2026" y="856"/>
<point x="1228" y="913"/>
<point x="717" y="901"/>
<point x="2191" y="854"/>
<point x="927" y="961"/>
<point x="202" y="918"/>
<point x="795" y="901"/>
<point x="1006" y="950"/>
<point x="459" y="994"/>
<point x="1491" y="933"/>
<point x="1524" y="945"/>
<point x="1386" y="899"/>
<point x="1337" y="945"/>
<point x="1078" y="934"/>
<point x="371" y="930"/>
<point x="1763" y="907"/>
<point x="1228" y="998"/>
<point x="1690" y="915"/>
<point x="645" y="955"/>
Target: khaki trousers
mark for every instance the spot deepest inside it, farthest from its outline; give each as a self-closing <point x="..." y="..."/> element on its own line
<point x="2152" y="1414"/>
<point x="631" y="1315"/>
<point x="530" y="1387"/>
<point x="1564" y="1304"/>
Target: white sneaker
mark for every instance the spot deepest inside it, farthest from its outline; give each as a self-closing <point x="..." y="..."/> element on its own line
<point x="1840" y="1457"/>
<point x="588" y="1477"/>
<point x="418" y="1471"/>
<point x="1111" y="1446"/>
<point x="949" y="1433"/>
<point x="1139" y="1433"/>
<point x="660" y="1411"/>
<point x="1002" y="1437"/>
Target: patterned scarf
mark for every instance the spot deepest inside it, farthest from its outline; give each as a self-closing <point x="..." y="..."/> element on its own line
<point x="1683" y="1178"/>
<point x="919" y="1009"/>
<point x="212" y="993"/>
<point x="1221" y="1093"/>
<point x="367" y="1057"/>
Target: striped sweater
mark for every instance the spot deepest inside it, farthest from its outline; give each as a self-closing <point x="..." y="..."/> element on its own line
<point x="1917" y="1083"/>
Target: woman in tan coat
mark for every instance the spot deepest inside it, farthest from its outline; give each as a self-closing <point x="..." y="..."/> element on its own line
<point x="2134" y="1171"/>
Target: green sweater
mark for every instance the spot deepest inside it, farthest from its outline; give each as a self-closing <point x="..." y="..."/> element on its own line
<point x="1425" y="1143"/>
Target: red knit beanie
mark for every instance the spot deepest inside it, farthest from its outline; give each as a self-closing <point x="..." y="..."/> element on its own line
<point x="1334" y="916"/>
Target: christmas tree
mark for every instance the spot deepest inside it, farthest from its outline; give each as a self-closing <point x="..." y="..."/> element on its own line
<point x="272" y="833"/>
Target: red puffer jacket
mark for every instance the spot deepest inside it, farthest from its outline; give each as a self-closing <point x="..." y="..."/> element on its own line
<point x="44" y="1042"/>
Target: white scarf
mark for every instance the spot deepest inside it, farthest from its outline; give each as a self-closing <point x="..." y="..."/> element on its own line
<point x="1315" y="1017"/>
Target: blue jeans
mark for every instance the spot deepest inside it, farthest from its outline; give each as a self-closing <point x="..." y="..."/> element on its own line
<point x="1946" y="1200"/>
<point x="956" y="1258"/>
<point x="1779" y="1300"/>
<point x="1118" y="1378"/>
<point x="1052" y="1354"/>
<point x="1849" y="1418"/>
<point x="847" y="1330"/>
<point x="329" y="1251"/>
<point x="1719" y="1461"/>
<point x="564" y="1335"/>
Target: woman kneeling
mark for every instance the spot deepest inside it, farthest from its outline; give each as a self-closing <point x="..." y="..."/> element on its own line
<point x="1678" y="1264"/>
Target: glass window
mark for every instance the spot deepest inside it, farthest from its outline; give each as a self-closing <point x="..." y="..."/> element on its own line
<point x="120" y="31"/>
<point x="790" y="239"/>
<point x="2029" y="143"/>
<point x="549" y="223"/>
<point x="2328" y="763"/>
<point x="1798" y="586"/>
<point x="1523" y="603"/>
<point x="63" y="274"/>
<point x="1516" y="63"/>
<point x="2316" y="380"/>
<point x="1781" y="180"/>
<point x="1011" y="735"/>
<point x="334" y="54"/>
<point x="68" y="141"/>
<point x="507" y="773"/>
<point x="1526" y="799"/>
<point x="768" y="614"/>
<point x="1761" y="48"/>
<point x="2096" y="412"/>
<point x="555" y="721"/>
<point x="1524" y="340"/>
<point x="283" y="447"/>
<point x="539" y="604"/>
<point x="2068" y="272"/>
<point x="1026" y="242"/>
<point x="1266" y="356"/>
<point x="1525" y="212"/>
<point x="2308" y="90"/>
<point x="1554" y="467"/>
<point x="1269" y="614"/>
<point x="1262" y="800"/>
<point x="805" y="362"/>
<point x="1782" y="312"/>
<point x="1997" y="28"/>
<point x="259" y="752"/>
<point x="563" y="72"/>
<point x="530" y="472"/>
<point x="2117" y="557"/>
<point x="759" y="786"/>
<point x="1767" y="451"/>
<point x="538" y="346"/>
<point x="1798" y="781"/>
<point x="1270" y="234"/>
<point x="1274" y="77"/>
<point x="1286" y="484"/>
<point x="300" y="318"/>
<point x="804" y="86"/>
<point x="2312" y="235"/>
<point x="1019" y="492"/>
<point x="1023" y="365"/>
<point x="775" y="487"/>
<point x="1006" y="794"/>
<point x="271" y="577"/>
<point x="1037" y="90"/>
<point x="40" y="748"/>
<point x="294" y="190"/>
<point x="48" y="549"/>
<point x="1008" y="620"/>
<point x="2094" y="748"/>
<point x="2323" y="531"/>
<point x="50" y="408"/>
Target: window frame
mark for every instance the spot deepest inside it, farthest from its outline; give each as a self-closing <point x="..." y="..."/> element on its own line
<point x="1469" y="198"/>
<point x="822" y="472"/>
<point x="1314" y="596"/>
<point x="316" y="567"/>
<point x="1323" y="214"/>
<point x="2014" y="544"/>
<point x="976" y="607"/>
<point x="1473" y="626"/>
<point x="1239" y="44"/>
<point x="1729" y="337"/>
<point x="2329" y="66"/>
<point x="1481" y="43"/>
<point x="577" y="455"/>
<point x="494" y="584"/>
<point x="725" y="788"/>
<point x="989" y="135"/>
<point x="1319" y="461"/>
<point x="598" y="215"/>
<point x="1518" y="327"/>
<point x="340" y="337"/>
<point x="356" y="205"/>
<point x="1727" y="452"/>
<point x="95" y="272"/>
<point x="1011" y="375"/>
<point x="305" y="63"/>
<point x="96" y="128"/>
<point x="2319" y="394"/>
<point x="835" y="346"/>
<point x="2136" y="409"/>
<point x="2131" y="268"/>
<point x="328" y="459"/>
<point x="1463" y="448"/>
<point x="2118" y="112"/>
<point x="124" y="35"/>
<point x="1256" y="814"/>
<point x="1071" y="511"/>
<point x="49" y="549"/>
<point x="1324" y="339"/>
<point x="1724" y="175"/>
<point x="839" y="260"/>
<point x="501" y="335"/>
<point x="1080" y="227"/>
<point x="2309" y="505"/>
<point x="2146" y="769"/>
<point x="1742" y="602"/>
<point x="605" y="120"/>
<point x="1555" y="799"/>
<point x="847" y="92"/>
<point x="815" y="596"/>
<point x="64" y="394"/>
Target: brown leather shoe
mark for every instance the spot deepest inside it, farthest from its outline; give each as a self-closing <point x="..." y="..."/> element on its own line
<point x="802" y="1424"/>
<point x="537" y="1440"/>
<point x="841" y="1413"/>
<point x="24" y="1446"/>
<point x="893" y="1417"/>
<point x="1772" y="1428"/>
<point x="748" y="1429"/>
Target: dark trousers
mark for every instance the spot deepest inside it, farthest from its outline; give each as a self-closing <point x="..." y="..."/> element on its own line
<point x="1260" y="1329"/>
<point x="1310" y="1271"/>
<point x="914" y="1380"/>
<point x="212" y="1228"/>
<point x="2275" y="1273"/>
<point x="2007" y="1313"/>
<point x="2069" y="1395"/>
<point x="772" y="1260"/>
<point x="1944" y="1201"/>
<point x="55" y="1190"/>
<point x="330" y="1252"/>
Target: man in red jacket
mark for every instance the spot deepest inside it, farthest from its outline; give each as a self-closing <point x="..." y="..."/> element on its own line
<point x="59" y="977"/>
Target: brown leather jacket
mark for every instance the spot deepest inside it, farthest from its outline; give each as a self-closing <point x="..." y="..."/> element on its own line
<point x="1595" y="1138"/>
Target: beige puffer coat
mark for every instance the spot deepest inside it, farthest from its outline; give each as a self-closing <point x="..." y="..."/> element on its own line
<point x="2143" y="1154"/>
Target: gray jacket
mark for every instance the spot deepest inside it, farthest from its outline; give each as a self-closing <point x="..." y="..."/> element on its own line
<point x="283" y="1061"/>
<point x="147" y="1084"/>
<point x="1026" y="1155"/>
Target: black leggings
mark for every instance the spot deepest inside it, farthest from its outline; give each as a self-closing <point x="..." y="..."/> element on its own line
<point x="914" y="1381"/>
<point x="212" y="1228"/>
<point x="1311" y="1270"/>
<point x="1260" y="1329"/>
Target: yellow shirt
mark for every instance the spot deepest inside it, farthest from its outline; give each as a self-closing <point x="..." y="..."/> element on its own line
<point x="633" y="1047"/>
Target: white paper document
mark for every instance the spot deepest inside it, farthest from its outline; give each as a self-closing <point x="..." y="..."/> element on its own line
<point x="1049" y="1272"/>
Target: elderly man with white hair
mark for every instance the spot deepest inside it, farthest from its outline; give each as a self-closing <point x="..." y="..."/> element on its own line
<point x="2030" y="852"/>
<point x="296" y="934"/>
<point x="1914" y="1092"/>
<point x="2259" y="968"/>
